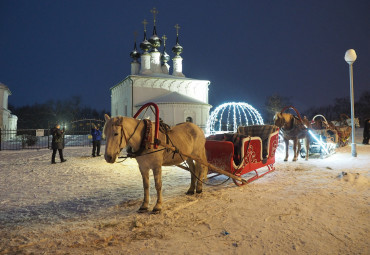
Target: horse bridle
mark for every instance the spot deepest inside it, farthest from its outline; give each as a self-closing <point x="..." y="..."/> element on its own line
<point x="123" y="134"/>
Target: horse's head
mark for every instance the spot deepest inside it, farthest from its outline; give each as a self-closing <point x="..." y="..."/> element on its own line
<point x="283" y="120"/>
<point x="114" y="135"/>
<point x="279" y="119"/>
<point x="355" y="120"/>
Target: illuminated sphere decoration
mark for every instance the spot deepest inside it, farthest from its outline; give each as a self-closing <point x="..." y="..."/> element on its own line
<point x="229" y="116"/>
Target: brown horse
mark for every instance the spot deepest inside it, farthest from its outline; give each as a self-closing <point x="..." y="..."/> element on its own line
<point x="122" y="132"/>
<point x="293" y="129"/>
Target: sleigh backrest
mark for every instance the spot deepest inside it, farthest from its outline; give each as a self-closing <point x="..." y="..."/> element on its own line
<point x="264" y="132"/>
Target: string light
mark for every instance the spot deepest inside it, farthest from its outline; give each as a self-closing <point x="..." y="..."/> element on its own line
<point x="232" y="114"/>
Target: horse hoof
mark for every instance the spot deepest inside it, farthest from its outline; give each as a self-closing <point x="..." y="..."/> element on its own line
<point x="142" y="210"/>
<point x="199" y="191"/>
<point x="156" y="211"/>
<point x="189" y="193"/>
<point x="285" y="159"/>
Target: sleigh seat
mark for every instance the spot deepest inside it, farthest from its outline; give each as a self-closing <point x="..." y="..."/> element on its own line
<point x="263" y="132"/>
<point x="251" y="147"/>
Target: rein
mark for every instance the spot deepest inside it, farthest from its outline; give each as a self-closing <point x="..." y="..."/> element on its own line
<point x="145" y="142"/>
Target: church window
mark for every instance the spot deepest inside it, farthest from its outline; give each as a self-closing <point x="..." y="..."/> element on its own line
<point x="189" y="119"/>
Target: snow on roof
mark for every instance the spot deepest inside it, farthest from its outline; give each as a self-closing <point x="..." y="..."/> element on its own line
<point x="162" y="75"/>
<point x="173" y="98"/>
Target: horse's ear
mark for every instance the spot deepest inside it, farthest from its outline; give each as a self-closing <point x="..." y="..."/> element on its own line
<point x="106" y="116"/>
<point x="277" y="115"/>
<point x="119" y="121"/>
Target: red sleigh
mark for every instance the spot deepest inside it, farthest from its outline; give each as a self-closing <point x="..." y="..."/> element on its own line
<point x="248" y="150"/>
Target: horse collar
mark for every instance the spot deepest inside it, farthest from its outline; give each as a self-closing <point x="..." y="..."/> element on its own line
<point x="146" y="142"/>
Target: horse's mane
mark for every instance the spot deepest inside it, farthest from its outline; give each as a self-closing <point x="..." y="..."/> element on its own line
<point x="103" y="133"/>
<point x="286" y="116"/>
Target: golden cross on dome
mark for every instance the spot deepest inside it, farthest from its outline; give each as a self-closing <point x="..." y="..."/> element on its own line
<point x="177" y="29"/>
<point x="135" y="35"/>
<point x="155" y="12"/>
<point x="145" y="23"/>
<point x="164" y="37"/>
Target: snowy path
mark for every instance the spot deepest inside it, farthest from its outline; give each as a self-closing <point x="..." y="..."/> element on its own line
<point x="33" y="189"/>
<point x="88" y="206"/>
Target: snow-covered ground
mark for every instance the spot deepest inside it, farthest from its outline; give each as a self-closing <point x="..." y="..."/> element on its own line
<point x="87" y="206"/>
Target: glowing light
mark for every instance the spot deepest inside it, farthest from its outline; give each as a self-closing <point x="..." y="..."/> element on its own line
<point x="328" y="147"/>
<point x="319" y="141"/>
<point x="229" y="116"/>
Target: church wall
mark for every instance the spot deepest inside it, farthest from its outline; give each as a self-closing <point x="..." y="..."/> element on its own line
<point x="136" y="89"/>
<point x="197" y="89"/>
<point x="121" y="99"/>
<point x="173" y="114"/>
<point x="8" y="121"/>
<point x="3" y="107"/>
<point x="3" y="98"/>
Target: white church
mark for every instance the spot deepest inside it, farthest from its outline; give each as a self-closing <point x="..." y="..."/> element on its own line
<point x="178" y="97"/>
<point x="8" y="121"/>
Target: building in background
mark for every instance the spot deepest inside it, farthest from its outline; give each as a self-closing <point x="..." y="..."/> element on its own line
<point x="8" y="121"/>
<point x="179" y="98"/>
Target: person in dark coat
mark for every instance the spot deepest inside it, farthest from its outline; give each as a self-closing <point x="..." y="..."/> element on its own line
<point x="366" y="132"/>
<point x="57" y="143"/>
<point x="96" y="136"/>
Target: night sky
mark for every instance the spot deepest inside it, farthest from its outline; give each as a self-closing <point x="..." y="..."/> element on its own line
<point x="247" y="49"/>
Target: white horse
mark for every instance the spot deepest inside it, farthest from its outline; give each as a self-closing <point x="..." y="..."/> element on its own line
<point x="122" y="132"/>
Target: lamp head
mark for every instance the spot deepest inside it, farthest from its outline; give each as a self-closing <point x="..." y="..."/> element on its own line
<point x="350" y="56"/>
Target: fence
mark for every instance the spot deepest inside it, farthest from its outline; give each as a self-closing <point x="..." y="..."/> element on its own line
<point x="23" y="139"/>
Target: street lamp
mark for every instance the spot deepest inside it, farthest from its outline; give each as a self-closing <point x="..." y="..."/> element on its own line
<point x="350" y="58"/>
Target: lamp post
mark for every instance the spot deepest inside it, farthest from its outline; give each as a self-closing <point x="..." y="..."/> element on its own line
<point x="350" y="58"/>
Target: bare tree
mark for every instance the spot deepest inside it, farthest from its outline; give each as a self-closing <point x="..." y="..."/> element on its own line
<point x="274" y="104"/>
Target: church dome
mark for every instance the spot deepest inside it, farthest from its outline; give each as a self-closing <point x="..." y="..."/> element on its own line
<point x="134" y="53"/>
<point x="145" y="45"/>
<point x="177" y="49"/>
<point x="155" y="42"/>
<point x="165" y="57"/>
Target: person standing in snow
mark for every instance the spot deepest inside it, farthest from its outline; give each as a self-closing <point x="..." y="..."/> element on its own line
<point x="57" y="143"/>
<point x="366" y="132"/>
<point x="96" y="136"/>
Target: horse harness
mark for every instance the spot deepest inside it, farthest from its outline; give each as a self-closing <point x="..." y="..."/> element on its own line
<point x="147" y="141"/>
<point x="297" y="127"/>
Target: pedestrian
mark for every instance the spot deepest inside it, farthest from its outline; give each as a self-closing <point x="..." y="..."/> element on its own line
<point x="366" y="132"/>
<point x="57" y="143"/>
<point x="96" y="136"/>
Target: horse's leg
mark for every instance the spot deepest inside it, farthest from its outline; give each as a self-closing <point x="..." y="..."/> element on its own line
<point x="193" y="178"/>
<point x="145" y="175"/>
<point x="157" y="172"/>
<point x="202" y="170"/>
<point x="286" y="149"/>
<point x="299" y="148"/>
<point x="295" y="141"/>
<point x="199" y="175"/>
<point x="307" y="141"/>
